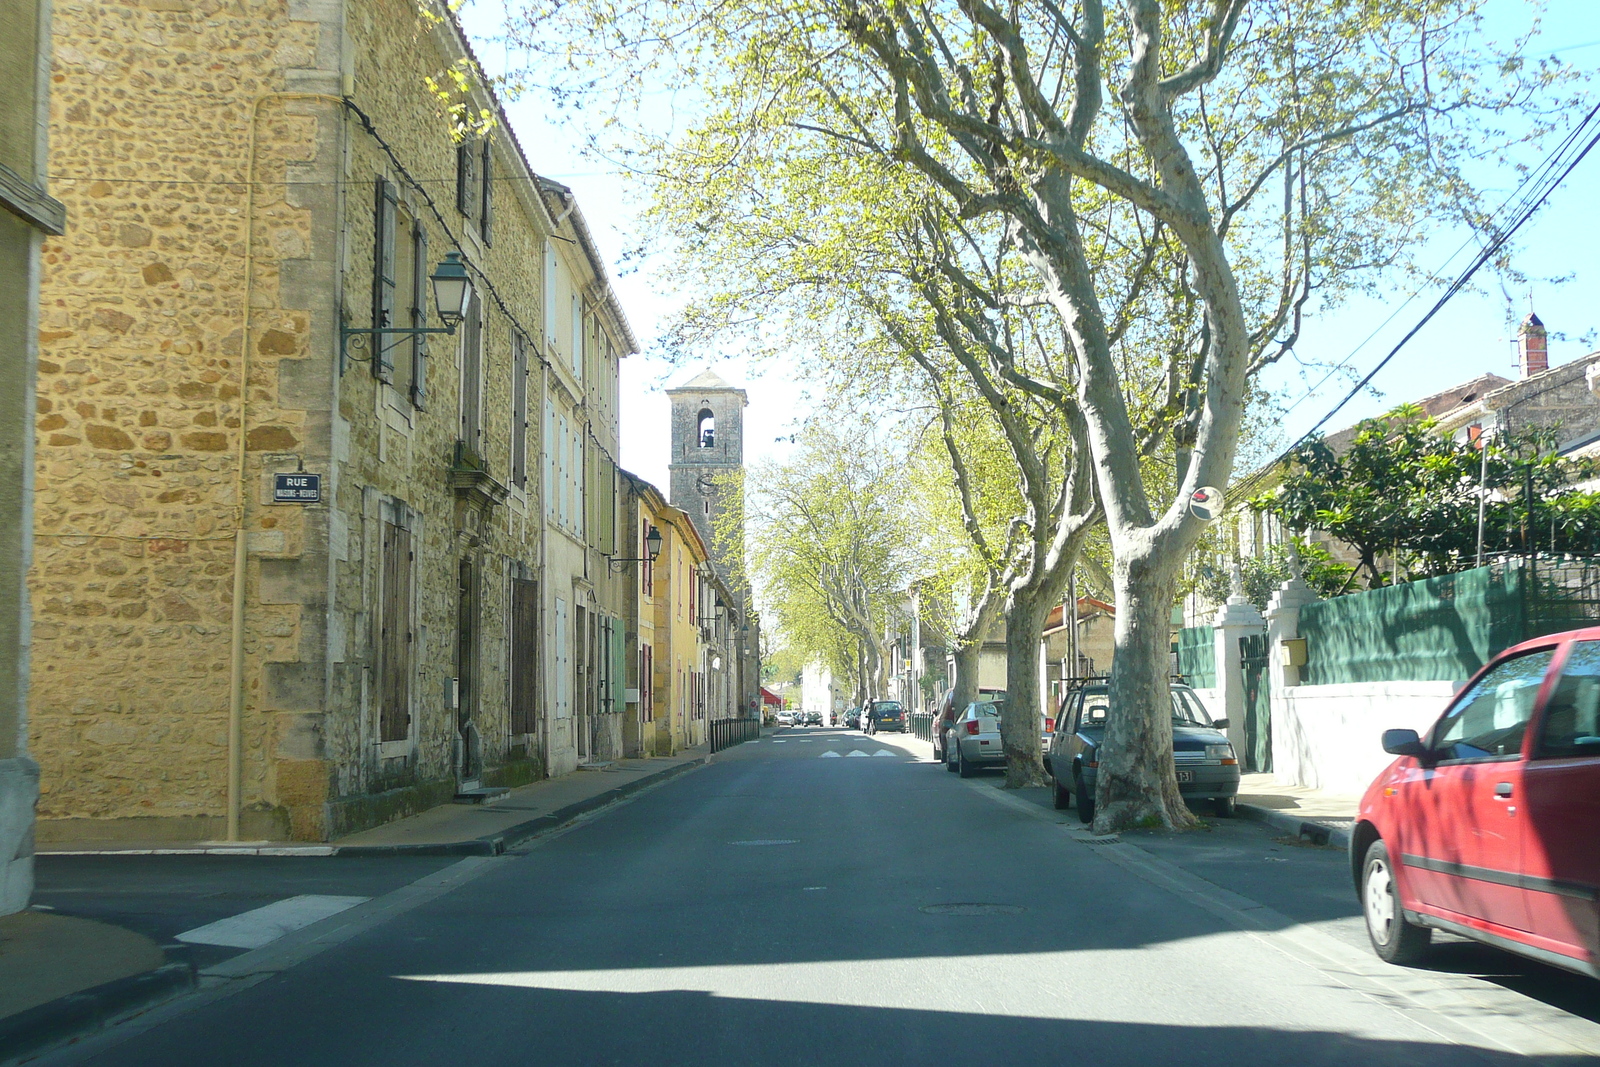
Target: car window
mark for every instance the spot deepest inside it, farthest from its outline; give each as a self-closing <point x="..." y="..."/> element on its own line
<point x="1572" y="720"/>
<point x="1490" y="719"/>
<point x="1187" y="709"/>
<point x="1096" y="706"/>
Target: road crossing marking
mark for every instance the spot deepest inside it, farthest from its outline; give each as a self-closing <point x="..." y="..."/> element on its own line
<point x="262" y="926"/>
<point x="855" y="752"/>
<point x="884" y="752"/>
<point x="830" y="755"/>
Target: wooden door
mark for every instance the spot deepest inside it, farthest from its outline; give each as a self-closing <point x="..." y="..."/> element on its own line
<point x="395" y="637"/>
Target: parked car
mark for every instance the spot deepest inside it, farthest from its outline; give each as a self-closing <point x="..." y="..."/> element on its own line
<point x="1485" y="826"/>
<point x="786" y="718"/>
<point x="972" y="742"/>
<point x="813" y="718"/>
<point x="1207" y="766"/>
<point x="884" y="715"/>
<point x="852" y="718"/>
<point x="946" y="714"/>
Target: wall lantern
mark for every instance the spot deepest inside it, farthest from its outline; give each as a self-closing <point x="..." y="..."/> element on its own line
<point x="652" y="548"/>
<point x="452" y="293"/>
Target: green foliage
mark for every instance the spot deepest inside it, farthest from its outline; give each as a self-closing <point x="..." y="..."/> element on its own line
<point x="1401" y="489"/>
<point x="1264" y="575"/>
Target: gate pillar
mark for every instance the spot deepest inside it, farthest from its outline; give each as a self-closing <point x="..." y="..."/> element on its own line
<point x="1235" y="619"/>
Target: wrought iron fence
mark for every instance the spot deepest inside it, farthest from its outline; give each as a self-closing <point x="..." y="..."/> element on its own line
<point x="920" y="723"/>
<point x="725" y="733"/>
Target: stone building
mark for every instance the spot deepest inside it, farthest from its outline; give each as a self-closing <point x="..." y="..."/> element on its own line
<point x="220" y="650"/>
<point x="707" y="470"/>
<point x="27" y="214"/>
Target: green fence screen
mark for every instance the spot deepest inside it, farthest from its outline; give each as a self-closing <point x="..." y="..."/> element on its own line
<point x="1197" y="657"/>
<point x="1444" y="629"/>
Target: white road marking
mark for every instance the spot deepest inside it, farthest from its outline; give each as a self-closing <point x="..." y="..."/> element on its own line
<point x="262" y="926"/>
<point x="780" y="740"/>
<point x="855" y="752"/>
<point x="766" y="841"/>
<point x="830" y="755"/>
<point x="884" y="752"/>
<point x="807" y="740"/>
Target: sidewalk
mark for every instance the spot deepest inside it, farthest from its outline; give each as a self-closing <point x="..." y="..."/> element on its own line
<point x="496" y="825"/>
<point x="62" y="977"/>
<point x="1325" y="818"/>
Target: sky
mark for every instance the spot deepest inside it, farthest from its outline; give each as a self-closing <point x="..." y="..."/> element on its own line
<point x="1468" y="338"/>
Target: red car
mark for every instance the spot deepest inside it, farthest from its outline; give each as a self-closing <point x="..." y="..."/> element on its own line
<point x="1489" y="826"/>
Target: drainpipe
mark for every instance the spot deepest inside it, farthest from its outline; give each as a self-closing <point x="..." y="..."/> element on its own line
<point x="241" y="536"/>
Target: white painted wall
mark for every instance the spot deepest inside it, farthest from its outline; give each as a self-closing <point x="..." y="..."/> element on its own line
<point x="1328" y="736"/>
<point x="816" y="691"/>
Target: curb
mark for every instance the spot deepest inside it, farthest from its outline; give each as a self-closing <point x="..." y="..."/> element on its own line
<point x="79" y="1014"/>
<point x="1319" y="833"/>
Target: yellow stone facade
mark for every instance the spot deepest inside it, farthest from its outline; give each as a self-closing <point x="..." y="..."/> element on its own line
<point x="223" y="166"/>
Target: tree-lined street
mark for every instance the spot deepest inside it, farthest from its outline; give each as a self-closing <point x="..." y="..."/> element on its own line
<point x="790" y="903"/>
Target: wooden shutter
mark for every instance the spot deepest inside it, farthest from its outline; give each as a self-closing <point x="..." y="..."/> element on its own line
<point x="467" y="178"/>
<point x="419" y="313"/>
<point x="519" y="409"/>
<point x="486" y="197"/>
<point x="383" y="281"/>
<point x="472" y="375"/>
<point x="395" y="638"/>
<point x="524" y="655"/>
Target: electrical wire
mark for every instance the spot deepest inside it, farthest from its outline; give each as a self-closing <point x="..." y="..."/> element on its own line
<point x="1528" y="204"/>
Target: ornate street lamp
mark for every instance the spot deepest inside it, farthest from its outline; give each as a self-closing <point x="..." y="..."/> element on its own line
<point x="452" y="293"/>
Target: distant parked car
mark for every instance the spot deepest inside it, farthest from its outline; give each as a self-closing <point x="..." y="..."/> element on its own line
<point x="884" y="715"/>
<point x="786" y="718"/>
<point x="1207" y="767"/>
<point x="852" y="718"/>
<point x="946" y="714"/>
<point x="1486" y="826"/>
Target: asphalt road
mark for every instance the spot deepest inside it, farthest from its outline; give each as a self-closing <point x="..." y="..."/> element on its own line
<point x="786" y="906"/>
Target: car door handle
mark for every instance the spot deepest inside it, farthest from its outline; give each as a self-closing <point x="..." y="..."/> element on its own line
<point x="1503" y="791"/>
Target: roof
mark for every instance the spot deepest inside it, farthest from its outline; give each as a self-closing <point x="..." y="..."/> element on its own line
<point x="769" y="697"/>
<point x="1434" y="407"/>
<point x="707" y="381"/>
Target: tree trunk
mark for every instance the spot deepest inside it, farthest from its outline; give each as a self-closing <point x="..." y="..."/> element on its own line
<point x="968" y="656"/>
<point x="1019" y="726"/>
<point x="1137" y="785"/>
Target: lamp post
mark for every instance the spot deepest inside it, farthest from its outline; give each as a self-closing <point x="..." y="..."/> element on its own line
<point x="452" y="293"/>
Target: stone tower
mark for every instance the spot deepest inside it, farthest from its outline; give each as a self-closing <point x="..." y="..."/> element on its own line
<point x="707" y="444"/>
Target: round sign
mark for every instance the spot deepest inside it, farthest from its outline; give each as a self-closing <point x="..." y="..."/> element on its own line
<point x="1205" y="503"/>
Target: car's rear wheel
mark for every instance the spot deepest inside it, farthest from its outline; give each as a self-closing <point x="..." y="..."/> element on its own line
<point x="963" y="768"/>
<point x="1394" y="938"/>
<point x="1225" y="807"/>
<point x="949" y="759"/>
<point x="1060" y="794"/>
<point x="1085" y="801"/>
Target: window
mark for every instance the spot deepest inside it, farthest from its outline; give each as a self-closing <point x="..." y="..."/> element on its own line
<point x="419" y="313"/>
<point x="385" y="208"/>
<point x="519" y="409"/>
<point x="472" y="375"/>
<point x="707" y="433"/>
<point x="1572" y="720"/>
<point x="647" y="704"/>
<point x="467" y="178"/>
<point x="563" y="489"/>
<point x="549" y="459"/>
<point x="1490" y="719"/>
<point x="563" y="663"/>
<point x="395" y="644"/>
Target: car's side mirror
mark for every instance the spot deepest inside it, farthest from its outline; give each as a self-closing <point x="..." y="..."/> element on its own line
<point x="1219" y="724"/>
<point x="1403" y="743"/>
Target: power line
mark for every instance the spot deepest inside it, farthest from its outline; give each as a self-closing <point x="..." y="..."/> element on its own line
<point x="1530" y="204"/>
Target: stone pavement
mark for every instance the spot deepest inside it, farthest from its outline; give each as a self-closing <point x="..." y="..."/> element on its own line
<point x="1264" y="798"/>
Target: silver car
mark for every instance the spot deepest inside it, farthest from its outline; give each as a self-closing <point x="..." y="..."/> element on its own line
<point x="972" y="742"/>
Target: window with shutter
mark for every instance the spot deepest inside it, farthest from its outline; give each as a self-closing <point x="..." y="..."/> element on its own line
<point x="549" y="296"/>
<point x="576" y="355"/>
<point x="549" y="459"/>
<point x="419" y="313"/>
<point x="383" y="275"/>
<point x="472" y="375"/>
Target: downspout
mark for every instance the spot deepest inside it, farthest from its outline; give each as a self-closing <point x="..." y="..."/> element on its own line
<point x="241" y="536"/>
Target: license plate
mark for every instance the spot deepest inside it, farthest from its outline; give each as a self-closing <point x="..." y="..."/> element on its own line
<point x="1185" y="776"/>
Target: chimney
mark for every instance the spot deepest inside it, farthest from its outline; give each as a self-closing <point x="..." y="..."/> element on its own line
<point x="1533" y="354"/>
